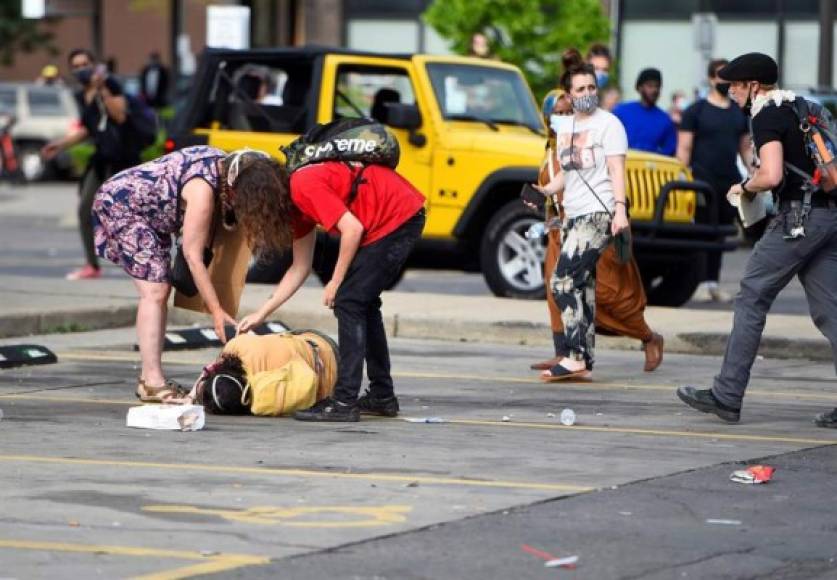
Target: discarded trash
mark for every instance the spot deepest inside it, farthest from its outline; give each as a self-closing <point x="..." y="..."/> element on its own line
<point x="208" y="553"/>
<point x="724" y="522"/>
<point x="167" y="417"/>
<point x="505" y="419"/>
<point x="569" y="561"/>
<point x="753" y="474"/>
<point x="568" y="417"/>
<point x="424" y="420"/>
<point x="73" y="524"/>
<point x="551" y="415"/>
<point x="412" y="484"/>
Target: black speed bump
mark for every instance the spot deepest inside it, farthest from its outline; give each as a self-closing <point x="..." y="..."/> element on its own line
<point x="205" y="337"/>
<point x="18" y="355"/>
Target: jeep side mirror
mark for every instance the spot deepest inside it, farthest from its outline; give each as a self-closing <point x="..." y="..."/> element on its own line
<point x="403" y="116"/>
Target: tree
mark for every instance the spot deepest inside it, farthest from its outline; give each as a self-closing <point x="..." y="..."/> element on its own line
<point x="18" y="34"/>
<point x="528" y="33"/>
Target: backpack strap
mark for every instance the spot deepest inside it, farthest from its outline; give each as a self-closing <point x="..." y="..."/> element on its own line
<point x="356" y="183"/>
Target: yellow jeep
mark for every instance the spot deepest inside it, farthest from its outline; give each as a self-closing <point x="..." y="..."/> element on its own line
<point x="470" y="135"/>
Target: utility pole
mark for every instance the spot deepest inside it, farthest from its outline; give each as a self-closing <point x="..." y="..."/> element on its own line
<point x="176" y="21"/>
<point x="96" y="25"/>
<point x="826" y="60"/>
<point x="780" y="39"/>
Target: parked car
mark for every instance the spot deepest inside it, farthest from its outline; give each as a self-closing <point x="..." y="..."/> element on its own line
<point x="41" y="113"/>
<point x="470" y="135"/>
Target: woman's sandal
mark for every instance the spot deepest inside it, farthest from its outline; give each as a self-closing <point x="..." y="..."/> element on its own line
<point x="561" y="373"/>
<point x="160" y="394"/>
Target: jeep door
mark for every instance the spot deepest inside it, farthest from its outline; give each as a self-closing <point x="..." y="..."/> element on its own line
<point x="362" y="86"/>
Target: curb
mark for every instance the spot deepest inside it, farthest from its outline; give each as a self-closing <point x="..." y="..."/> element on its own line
<point x="520" y="332"/>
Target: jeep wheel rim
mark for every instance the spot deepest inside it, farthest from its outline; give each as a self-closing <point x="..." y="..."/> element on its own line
<point x="520" y="260"/>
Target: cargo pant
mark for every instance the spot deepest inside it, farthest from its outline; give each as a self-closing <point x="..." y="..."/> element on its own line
<point x="573" y="283"/>
<point x="772" y="265"/>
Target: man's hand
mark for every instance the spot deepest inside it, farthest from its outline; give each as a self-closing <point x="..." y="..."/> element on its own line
<point x="50" y="150"/>
<point x="620" y="220"/>
<point x="219" y="320"/>
<point x="330" y="293"/>
<point x="248" y="323"/>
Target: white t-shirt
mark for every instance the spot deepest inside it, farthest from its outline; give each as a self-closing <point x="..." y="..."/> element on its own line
<point x="583" y="147"/>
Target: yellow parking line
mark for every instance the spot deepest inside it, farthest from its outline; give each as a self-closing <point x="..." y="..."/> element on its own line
<point x="285" y="472"/>
<point x="210" y="565"/>
<point x="632" y="431"/>
<point x="191" y="359"/>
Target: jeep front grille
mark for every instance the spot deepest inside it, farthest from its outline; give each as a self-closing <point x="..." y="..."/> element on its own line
<point x="643" y="185"/>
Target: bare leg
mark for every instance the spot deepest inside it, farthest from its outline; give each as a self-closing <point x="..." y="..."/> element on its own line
<point x="151" y="328"/>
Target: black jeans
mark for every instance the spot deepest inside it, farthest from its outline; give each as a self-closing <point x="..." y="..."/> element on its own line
<point x="357" y="306"/>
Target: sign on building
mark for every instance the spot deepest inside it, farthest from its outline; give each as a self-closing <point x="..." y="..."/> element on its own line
<point x="228" y="27"/>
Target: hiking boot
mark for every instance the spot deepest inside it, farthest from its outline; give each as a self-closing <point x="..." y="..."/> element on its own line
<point x="704" y="401"/>
<point x="384" y="407"/>
<point x="329" y="410"/>
<point x="827" y="420"/>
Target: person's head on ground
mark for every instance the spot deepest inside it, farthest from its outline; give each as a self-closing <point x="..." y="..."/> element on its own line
<point x="716" y="84"/>
<point x="599" y="57"/>
<point x="256" y="188"/>
<point x="749" y="75"/>
<point x="81" y="63"/>
<point x="649" y="83"/>
<point x="579" y="81"/>
<point x="221" y="390"/>
<point x="480" y="47"/>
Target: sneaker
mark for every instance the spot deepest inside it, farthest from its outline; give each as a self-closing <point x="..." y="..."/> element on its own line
<point x="827" y="420"/>
<point x="86" y="272"/>
<point x="385" y="407"/>
<point x="704" y="401"/>
<point x="717" y="295"/>
<point x="329" y="410"/>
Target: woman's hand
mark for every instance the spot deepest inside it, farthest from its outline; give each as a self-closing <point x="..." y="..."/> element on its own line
<point x="330" y="292"/>
<point x="219" y="320"/>
<point x="620" y="220"/>
<point x="249" y="322"/>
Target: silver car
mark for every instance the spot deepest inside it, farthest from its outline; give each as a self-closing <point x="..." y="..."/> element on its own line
<point x="41" y="114"/>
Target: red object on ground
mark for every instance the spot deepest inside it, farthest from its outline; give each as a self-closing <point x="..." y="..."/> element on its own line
<point x="754" y="474"/>
<point x="544" y="555"/>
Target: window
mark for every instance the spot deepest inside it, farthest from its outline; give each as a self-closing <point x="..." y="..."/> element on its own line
<point x="364" y="92"/>
<point x="45" y="103"/>
<point x="483" y="94"/>
<point x="8" y="101"/>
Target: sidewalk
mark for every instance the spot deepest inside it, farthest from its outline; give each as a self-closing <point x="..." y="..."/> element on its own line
<point x="30" y="305"/>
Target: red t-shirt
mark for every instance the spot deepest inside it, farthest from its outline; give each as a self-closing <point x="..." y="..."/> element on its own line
<point x="384" y="201"/>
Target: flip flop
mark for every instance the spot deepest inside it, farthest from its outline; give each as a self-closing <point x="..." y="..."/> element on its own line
<point x="160" y="394"/>
<point x="560" y="373"/>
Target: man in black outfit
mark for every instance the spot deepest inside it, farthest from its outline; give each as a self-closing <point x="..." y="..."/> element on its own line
<point x="104" y="119"/>
<point x="154" y="82"/>
<point x="712" y="134"/>
<point x="800" y="241"/>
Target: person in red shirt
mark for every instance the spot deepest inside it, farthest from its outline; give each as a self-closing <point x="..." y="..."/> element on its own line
<point x="378" y="227"/>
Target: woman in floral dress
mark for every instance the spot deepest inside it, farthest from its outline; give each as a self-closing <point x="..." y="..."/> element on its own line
<point x="137" y="212"/>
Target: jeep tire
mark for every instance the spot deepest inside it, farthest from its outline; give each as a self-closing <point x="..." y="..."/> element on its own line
<point x="512" y="264"/>
<point x="671" y="284"/>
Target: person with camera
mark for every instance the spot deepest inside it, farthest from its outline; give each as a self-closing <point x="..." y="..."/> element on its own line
<point x="591" y="146"/>
<point x="104" y="120"/>
<point x="801" y="240"/>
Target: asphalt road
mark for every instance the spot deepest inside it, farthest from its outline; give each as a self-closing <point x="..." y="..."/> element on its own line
<point x="38" y="236"/>
<point x="630" y="488"/>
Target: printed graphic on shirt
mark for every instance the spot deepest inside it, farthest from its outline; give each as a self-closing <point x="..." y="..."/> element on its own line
<point x="575" y="150"/>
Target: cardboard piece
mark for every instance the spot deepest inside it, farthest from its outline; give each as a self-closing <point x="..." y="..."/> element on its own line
<point x="228" y="272"/>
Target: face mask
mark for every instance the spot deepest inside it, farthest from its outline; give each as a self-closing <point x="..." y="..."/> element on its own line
<point x="586" y="104"/>
<point x="747" y="108"/>
<point x="601" y="78"/>
<point x="722" y="88"/>
<point x="84" y="75"/>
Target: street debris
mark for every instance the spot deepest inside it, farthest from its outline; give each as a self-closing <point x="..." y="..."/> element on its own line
<point x="724" y="522"/>
<point x="551" y="415"/>
<point x="505" y="419"/>
<point x="424" y="420"/>
<point x="412" y="484"/>
<point x="753" y="474"/>
<point x="167" y="417"/>
<point x="568" y="417"/>
<point x="568" y="562"/>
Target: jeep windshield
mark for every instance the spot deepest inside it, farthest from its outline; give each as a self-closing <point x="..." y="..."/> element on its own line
<point x="483" y="94"/>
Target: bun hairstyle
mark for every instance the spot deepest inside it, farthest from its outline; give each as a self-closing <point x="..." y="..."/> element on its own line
<point x="574" y="65"/>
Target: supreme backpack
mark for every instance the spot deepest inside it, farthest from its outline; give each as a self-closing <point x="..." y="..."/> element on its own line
<point x="820" y="135"/>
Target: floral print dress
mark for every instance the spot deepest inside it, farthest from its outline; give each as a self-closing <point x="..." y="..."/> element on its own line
<point x="138" y="211"/>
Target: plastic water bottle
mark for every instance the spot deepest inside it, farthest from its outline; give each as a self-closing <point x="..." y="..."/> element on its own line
<point x="568" y="417"/>
<point x="535" y="231"/>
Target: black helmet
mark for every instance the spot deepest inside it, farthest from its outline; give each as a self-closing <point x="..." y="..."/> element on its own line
<point x="753" y="66"/>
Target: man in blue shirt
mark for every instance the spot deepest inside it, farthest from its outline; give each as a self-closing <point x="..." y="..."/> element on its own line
<point x="649" y="128"/>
